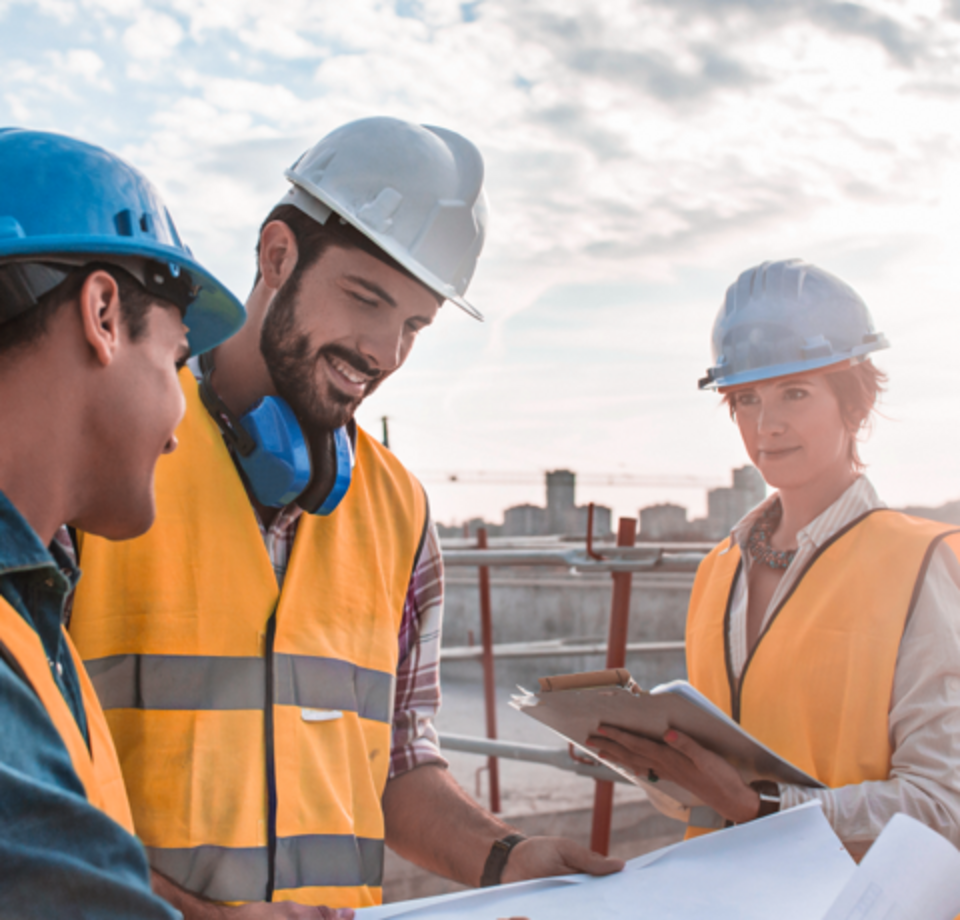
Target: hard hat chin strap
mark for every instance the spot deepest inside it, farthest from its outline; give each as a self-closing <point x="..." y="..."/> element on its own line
<point x="274" y="456"/>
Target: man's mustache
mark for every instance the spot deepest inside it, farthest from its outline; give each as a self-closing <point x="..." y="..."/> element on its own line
<point x="356" y="361"/>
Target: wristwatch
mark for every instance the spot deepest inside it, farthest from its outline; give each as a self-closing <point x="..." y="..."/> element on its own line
<point x="497" y="860"/>
<point x="769" y="793"/>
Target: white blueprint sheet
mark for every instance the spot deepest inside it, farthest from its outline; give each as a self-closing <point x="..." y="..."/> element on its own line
<point x="910" y="873"/>
<point x="790" y="866"/>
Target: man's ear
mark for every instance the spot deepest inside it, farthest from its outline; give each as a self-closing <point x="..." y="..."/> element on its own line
<point x="100" y="315"/>
<point x="278" y="253"/>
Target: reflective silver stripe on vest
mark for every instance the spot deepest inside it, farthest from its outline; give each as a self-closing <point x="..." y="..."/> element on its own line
<point x="194" y="682"/>
<point x="240" y="873"/>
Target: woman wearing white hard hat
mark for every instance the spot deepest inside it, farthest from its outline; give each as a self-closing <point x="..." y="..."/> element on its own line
<point x="826" y="624"/>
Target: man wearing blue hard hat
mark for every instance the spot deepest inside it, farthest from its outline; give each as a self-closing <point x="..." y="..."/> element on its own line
<point x="272" y="702"/>
<point x="100" y="303"/>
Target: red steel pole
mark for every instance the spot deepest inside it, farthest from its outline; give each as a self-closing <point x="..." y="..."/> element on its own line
<point x="616" y="658"/>
<point x="489" y="684"/>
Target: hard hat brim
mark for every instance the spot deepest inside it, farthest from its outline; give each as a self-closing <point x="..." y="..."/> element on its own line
<point x="212" y="317"/>
<point x="756" y="375"/>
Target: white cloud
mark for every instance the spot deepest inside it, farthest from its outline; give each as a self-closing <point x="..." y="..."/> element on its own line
<point x="83" y="63"/>
<point x="152" y="37"/>
<point x="124" y="9"/>
<point x="663" y="144"/>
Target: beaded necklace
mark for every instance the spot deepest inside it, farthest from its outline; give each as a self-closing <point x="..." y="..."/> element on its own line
<point x="758" y="541"/>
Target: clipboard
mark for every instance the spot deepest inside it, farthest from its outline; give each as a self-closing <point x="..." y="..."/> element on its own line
<point x="575" y="705"/>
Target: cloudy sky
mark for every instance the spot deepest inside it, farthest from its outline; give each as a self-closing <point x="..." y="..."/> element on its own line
<point x="640" y="154"/>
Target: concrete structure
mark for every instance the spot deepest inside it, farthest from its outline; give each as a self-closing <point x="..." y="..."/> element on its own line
<point x="531" y="604"/>
<point x="664" y="522"/>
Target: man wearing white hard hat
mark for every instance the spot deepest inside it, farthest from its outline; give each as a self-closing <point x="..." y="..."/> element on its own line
<point x="272" y="708"/>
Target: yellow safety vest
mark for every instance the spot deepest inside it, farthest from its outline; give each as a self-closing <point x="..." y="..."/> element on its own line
<point x="96" y="765"/>
<point x="253" y="725"/>
<point x="816" y="688"/>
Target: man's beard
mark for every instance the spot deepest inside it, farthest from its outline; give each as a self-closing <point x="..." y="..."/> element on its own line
<point x="292" y="364"/>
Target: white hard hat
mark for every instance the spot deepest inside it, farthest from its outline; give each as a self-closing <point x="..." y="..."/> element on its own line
<point x="788" y="317"/>
<point x="416" y="191"/>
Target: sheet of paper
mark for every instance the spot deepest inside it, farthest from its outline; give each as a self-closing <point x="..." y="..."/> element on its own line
<point x="447" y="904"/>
<point x="790" y="866"/>
<point x="910" y="873"/>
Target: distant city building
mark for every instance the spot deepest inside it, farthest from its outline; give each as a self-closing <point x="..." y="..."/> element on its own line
<point x="469" y="529"/>
<point x="525" y="521"/>
<point x="725" y="506"/>
<point x="664" y="522"/>
<point x="561" y="501"/>
<point x="561" y="516"/>
<point x="602" y="520"/>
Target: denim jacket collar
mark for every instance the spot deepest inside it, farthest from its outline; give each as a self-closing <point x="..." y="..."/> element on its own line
<point x="21" y="549"/>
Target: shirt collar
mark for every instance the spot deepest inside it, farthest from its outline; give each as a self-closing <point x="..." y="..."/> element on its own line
<point x="20" y="547"/>
<point x="859" y="498"/>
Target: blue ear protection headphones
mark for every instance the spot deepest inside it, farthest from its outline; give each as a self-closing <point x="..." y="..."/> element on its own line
<point x="273" y="453"/>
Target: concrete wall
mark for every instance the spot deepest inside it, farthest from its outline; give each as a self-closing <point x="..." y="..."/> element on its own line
<point x="536" y="604"/>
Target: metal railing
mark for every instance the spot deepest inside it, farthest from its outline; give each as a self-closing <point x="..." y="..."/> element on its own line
<point x="557" y="648"/>
<point x="561" y="758"/>
<point x="621" y="562"/>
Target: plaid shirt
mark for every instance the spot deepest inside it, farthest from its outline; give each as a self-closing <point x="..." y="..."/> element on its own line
<point x="417" y="696"/>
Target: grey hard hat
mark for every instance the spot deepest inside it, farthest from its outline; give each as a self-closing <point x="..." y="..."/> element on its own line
<point x="787" y="317"/>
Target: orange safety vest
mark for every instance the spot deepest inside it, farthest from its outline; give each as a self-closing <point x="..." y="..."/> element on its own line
<point x="96" y="765"/>
<point x="816" y="687"/>
<point x="254" y="726"/>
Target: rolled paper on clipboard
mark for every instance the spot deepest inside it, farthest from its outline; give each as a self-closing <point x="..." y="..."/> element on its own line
<point x="610" y="677"/>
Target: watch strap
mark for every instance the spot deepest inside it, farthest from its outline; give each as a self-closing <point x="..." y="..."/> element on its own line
<point x="769" y="793"/>
<point x="497" y="860"/>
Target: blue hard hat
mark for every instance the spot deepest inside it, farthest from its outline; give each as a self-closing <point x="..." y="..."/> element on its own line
<point x="788" y="317"/>
<point x="63" y="197"/>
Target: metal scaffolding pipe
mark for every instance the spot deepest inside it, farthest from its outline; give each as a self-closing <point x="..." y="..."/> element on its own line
<point x="489" y="684"/>
<point x="555" y="648"/>
<point x="529" y="753"/>
<point x="574" y="559"/>
<point x="616" y="658"/>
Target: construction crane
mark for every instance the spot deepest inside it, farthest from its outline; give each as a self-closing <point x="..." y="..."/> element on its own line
<point x="613" y="480"/>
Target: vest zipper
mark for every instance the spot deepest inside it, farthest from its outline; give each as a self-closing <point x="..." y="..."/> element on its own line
<point x="271" y="766"/>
